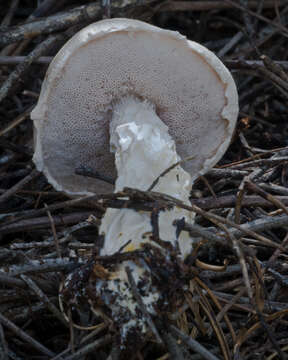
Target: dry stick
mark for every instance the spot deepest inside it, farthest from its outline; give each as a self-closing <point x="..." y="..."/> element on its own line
<point x="226" y="173"/>
<point x="65" y="204"/>
<point x="3" y="345"/>
<point x="277" y="252"/>
<point x="217" y="218"/>
<point x="11" y="281"/>
<point x="283" y="29"/>
<point x="280" y="88"/>
<point x="230" y="44"/>
<point x="142" y="305"/>
<point x="18" y="120"/>
<point x="44" y="298"/>
<point x="60" y="356"/>
<point x="264" y="35"/>
<point x="226" y="298"/>
<point x="71" y="331"/>
<point x="228" y="306"/>
<point x="87" y="349"/>
<point x="229" y="201"/>
<point x="170" y="200"/>
<point x="14" y="174"/>
<point x="274" y="67"/>
<point x="211" y="217"/>
<point x="206" y="5"/>
<point x="166" y="171"/>
<point x="89" y="172"/>
<point x="24" y="336"/>
<point x="237" y="246"/>
<point x="54" y="232"/>
<point x="239" y="202"/>
<point x="93" y="333"/>
<point x="48" y="243"/>
<point x="50" y="24"/>
<point x="254" y="157"/>
<point x="18" y="149"/>
<point x="257" y="163"/>
<point x="20" y="70"/>
<point x="10" y="13"/>
<point x="15" y="60"/>
<point x="45" y="6"/>
<point x="41" y="10"/>
<point x="248" y="23"/>
<point x="172" y="346"/>
<point x="45" y="265"/>
<point x="193" y="344"/>
<point x="263" y="224"/>
<point x="266" y="195"/>
<point x="281" y="190"/>
<point x="206" y="234"/>
<point x="263" y="322"/>
<point x="4" y="197"/>
<point x="44" y="222"/>
<point x="209" y="187"/>
<point x="50" y="194"/>
<point x="273" y="77"/>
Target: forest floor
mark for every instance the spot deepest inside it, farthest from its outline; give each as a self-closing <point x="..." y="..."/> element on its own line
<point x="232" y="302"/>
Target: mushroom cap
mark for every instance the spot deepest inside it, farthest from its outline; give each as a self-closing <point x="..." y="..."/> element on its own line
<point x="193" y="92"/>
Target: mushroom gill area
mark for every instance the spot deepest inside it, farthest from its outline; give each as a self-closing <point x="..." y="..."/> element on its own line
<point x="143" y="151"/>
<point x="72" y="115"/>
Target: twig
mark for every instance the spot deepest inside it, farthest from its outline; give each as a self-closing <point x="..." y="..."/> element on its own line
<point x="10" y="13"/>
<point x="11" y="281"/>
<point x="20" y="70"/>
<point x="17" y="121"/>
<point x="229" y="201"/>
<point x="266" y="196"/>
<point x="87" y="349"/>
<point x="48" y="265"/>
<point x="65" y="204"/>
<point x="66" y="233"/>
<point x="174" y="349"/>
<point x="166" y="171"/>
<point x="263" y="224"/>
<point x="4" y="197"/>
<point x="278" y="26"/>
<point x="258" y="163"/>
<point x="3" y="345"/>
<point x="44" y="222"/>
<point x="54" y="232"/>
<point x="86" y="171"/>
<point x="50" y="24"/>
<point x="205" y="5"/>
<point x="24" y="336"/>
<point x="193" y="344"/>
<point x="44" y="298"/>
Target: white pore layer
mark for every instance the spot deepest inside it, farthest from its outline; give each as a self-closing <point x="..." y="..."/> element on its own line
<point x="143" y="150"/>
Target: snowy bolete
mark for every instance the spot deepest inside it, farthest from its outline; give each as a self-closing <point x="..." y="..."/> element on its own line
<point x="152" y="97"/>
<point x="182" y="82"/>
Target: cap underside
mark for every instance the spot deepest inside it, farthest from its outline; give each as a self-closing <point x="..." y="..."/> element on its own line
<point x="73" y="121"/>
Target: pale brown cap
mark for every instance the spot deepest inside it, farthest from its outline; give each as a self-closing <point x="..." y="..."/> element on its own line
<point x="193" y="93"/>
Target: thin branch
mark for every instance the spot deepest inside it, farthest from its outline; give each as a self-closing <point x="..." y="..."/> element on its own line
<point x="24" y="336"/>
<point x="193" y="344"/>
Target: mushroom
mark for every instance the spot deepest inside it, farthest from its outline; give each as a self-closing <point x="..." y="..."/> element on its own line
<point x="152" y="97"/>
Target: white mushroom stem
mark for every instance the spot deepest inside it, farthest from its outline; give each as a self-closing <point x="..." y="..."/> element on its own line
<point x="143" y="150"/>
